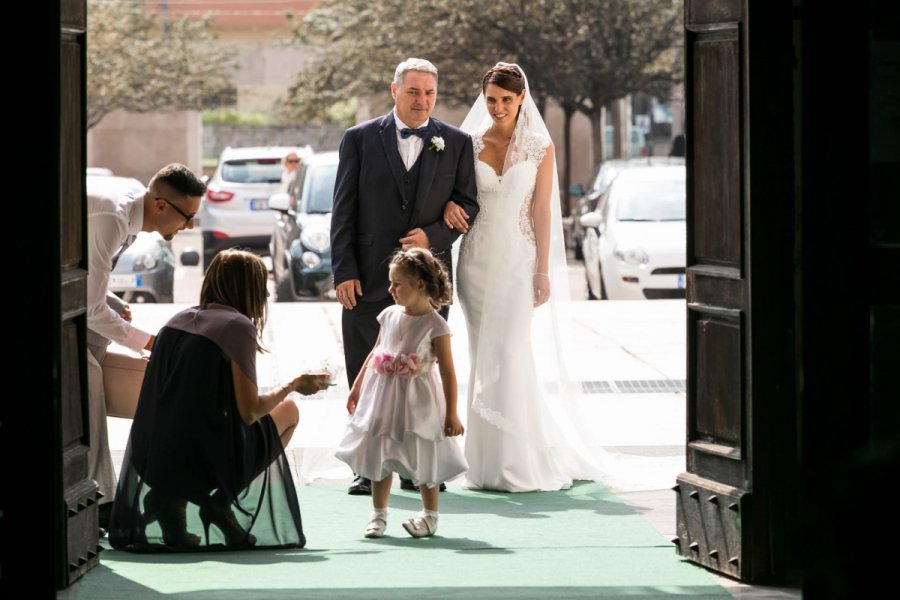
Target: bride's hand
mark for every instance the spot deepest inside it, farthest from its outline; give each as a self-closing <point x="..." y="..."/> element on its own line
<point x="455" y="217"/>
<point x="541" y="288"/>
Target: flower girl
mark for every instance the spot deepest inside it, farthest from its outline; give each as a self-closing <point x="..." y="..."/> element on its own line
<point x="403" y="402"/>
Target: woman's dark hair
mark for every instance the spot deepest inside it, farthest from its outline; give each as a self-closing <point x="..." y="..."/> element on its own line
<point x="509" y="77"/>
<point x="419" y="263"/>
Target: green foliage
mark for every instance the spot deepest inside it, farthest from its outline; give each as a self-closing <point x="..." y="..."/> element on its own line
<point x="343" y="113"/>
<point x="582" y="53"/>
<point x="140" y="62"/>
<point x="231" y="116"/>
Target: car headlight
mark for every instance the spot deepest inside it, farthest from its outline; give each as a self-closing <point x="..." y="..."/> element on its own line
<point x="311" y="260"/>
<point x="316" y="238"/>
<point x="145" y="262"/>
<point x="631" y="256"/>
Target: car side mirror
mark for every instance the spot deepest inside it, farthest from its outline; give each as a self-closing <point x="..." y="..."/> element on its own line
<point x="591" y="220"/>
<point x="576" y="190"/>
<point x="280" y="201"/>
<point x="190" y="257"/>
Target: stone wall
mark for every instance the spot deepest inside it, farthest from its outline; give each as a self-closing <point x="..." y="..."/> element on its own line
<point x="138" y="145"/>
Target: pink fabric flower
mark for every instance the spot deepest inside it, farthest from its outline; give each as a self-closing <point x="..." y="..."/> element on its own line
<point x="407" y="365"/>
<point x="401" y="365"/>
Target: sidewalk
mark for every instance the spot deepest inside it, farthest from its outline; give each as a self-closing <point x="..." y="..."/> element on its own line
<point x="628" y="356"/>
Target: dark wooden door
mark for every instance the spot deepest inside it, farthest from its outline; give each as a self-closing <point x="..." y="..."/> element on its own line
<point x="48" y="505"/>
<point x="793" y="151"/>
<point x="739" y="487"/>
<point x="77" y="506"/>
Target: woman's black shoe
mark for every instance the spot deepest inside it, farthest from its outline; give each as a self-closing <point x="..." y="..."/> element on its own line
<point x="222" y="517"/>
<point x="170" y="512"/>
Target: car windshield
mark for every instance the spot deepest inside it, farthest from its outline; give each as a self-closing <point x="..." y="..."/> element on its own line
<point x="252" y="170"/>
<point x="321" y="189"/>
<point x="649" y="201"/>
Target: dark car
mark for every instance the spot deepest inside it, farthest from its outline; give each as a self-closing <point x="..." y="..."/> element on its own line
<point x="145" y="272"/>
<point x="301" y="242"/>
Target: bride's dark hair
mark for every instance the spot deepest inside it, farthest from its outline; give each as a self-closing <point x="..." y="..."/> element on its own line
<point x="509" y="77"/>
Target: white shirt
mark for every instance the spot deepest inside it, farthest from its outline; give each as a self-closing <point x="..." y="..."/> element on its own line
<point x="111" y="222"/>
<point x="411" y="147"/>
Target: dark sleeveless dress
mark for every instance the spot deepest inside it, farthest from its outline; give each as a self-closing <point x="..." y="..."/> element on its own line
<point x="217" y="482"/>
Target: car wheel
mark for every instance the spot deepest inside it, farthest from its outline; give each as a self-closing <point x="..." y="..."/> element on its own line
<point x="139" y="298"/>
<point x="284" y="288"/>
<point x="588" y="292"/>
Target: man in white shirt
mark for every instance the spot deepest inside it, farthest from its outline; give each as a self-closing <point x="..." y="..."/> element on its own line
<point x="167" y="206"/>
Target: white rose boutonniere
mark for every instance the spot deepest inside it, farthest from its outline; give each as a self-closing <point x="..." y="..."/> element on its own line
<point x="437" y="144"/>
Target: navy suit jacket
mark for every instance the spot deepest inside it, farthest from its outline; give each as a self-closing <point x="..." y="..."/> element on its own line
<point x="370" y="215"/>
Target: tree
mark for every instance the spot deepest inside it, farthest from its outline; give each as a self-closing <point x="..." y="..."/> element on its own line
<point x="141" y="62"/>
<point x="580" y="53"/>
<point x="620" y="47"/>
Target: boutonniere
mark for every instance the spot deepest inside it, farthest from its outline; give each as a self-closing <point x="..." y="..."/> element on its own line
<point x="437" y="144"/>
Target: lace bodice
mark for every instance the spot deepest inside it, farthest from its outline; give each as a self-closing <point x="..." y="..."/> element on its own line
<point x="505" y="200"/>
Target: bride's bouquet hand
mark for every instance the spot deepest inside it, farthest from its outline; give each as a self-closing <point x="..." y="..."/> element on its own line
<point x="541" y="288"/>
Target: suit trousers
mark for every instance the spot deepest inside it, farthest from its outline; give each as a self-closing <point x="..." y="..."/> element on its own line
<point x="360" y="331"/>
<point x="100" y="465"/>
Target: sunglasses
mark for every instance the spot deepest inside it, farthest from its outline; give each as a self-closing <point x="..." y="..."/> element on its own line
<point x="293" y="160"/>
<point x="187" y="218"/>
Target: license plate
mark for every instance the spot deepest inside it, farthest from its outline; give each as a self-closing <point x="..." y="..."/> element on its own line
<point x="681" y="281"/>
<point x="259" y="204"/>
<point x="124" y="281"/>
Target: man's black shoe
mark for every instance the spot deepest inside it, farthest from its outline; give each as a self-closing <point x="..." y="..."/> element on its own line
<point x="360" y="487"/>
<point x="407" y="484"/>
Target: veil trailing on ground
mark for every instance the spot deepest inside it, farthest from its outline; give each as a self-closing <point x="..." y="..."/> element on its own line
<point x="573" y="439"/>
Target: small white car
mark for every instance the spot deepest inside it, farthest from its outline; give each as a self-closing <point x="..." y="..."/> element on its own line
<point x="635" y="241"/>
<point x="235" y="211"/>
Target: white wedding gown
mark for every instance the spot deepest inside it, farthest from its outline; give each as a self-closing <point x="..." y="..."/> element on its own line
<point x="513" y="443"/>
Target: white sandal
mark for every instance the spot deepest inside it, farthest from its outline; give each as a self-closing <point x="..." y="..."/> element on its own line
<point x="424" y="526"/>
<point x="376" y="526"/>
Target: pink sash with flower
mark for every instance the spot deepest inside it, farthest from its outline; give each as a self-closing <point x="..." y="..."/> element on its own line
<point x="396" y="365"/>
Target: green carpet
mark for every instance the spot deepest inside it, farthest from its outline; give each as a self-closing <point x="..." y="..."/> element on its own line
<point x="580" y="543"/>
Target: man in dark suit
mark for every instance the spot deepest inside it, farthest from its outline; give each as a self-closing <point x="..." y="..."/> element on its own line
<point x="395" y="175"/>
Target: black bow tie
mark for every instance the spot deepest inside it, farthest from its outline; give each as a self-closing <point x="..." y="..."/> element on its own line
<point x="422" y="132"/>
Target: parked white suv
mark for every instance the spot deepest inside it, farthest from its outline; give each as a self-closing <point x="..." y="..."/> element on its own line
<point x="235" y="211"/>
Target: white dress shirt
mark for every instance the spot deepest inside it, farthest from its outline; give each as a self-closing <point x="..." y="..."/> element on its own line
<point x="411" y="147"/>
<point x="111" y="223"/>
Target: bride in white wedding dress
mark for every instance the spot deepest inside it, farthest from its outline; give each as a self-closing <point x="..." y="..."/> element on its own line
<point x="522" y="432"/>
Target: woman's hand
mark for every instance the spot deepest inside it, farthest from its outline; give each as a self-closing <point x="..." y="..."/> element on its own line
<point x="541" y="288"/>
<point x="310" y="383"/>
<point x="453" y="426"/>
<point x="455" y="217"/>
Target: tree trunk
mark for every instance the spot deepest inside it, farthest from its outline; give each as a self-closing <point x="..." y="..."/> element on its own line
<point x="568" y="111"/>
<point x="598" y="139"/>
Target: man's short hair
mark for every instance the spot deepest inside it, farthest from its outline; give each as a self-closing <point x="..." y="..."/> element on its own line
<point x="414" y="64"/>
<point x="179" y="178"/>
